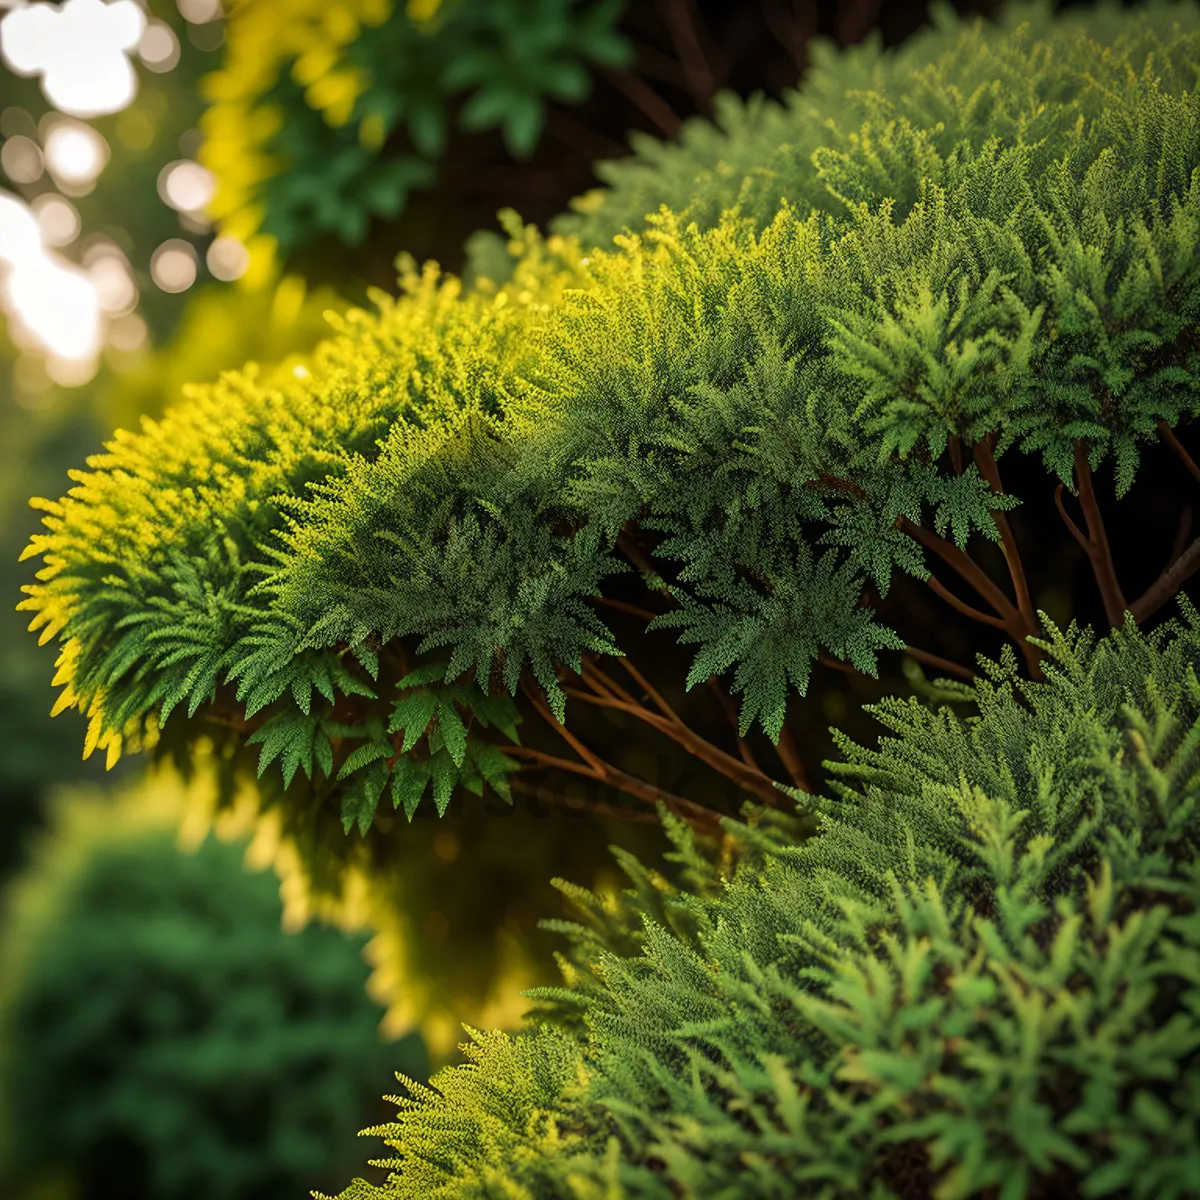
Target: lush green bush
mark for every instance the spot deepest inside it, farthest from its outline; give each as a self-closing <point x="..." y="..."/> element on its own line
<point x="160" y="1035"/>
<point x="980" y="977"/>
<point x="777" y="428"/>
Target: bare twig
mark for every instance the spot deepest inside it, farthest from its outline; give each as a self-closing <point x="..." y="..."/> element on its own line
<point x="1168" y="435"/>
<point x="597" y="809"/>
<point x="634" y="610"/>
<point x="1181" y="534"/>
<point x="726" y="701"/>
<point x="752" y="779"/>
<point x="1167" y="584"/>
<point x="939" y="589"/>
<point x="942" y="664"/>
<point x="1102" y="562"/>
<point x="1074" y="529"/>
<point x="789" y="28"/>
<point x="956" y="458"/>
<point x="575" y="134"/>
<point x="988" y="468"/>
<point x="682" y="23"/>
<point x="647" y="99"/>
<point x="639" y="789"/>
<point x="789" y="755"/>
<point x="965" y="566"/>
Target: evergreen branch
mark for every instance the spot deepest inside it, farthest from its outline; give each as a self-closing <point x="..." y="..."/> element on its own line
<point x="1098" y="549"/>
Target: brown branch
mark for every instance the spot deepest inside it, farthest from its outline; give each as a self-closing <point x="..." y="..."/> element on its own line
<point x="1167" y="584"/>
<point x="1168" y="435"/>
<point x="577" y="136"/>
<point x="964" y="565"/>
<point x="658" y="65"/>
<point x="636" y="555"/>
<point x="752" y="779"/>
<point x="639" y="789"/>
<point x="1102" y="561"/>
<point x="1181" y="534"/>
<point x="647" y="99"/>
<point x="789" y="755"/>
<point x="597" y="679"/>
<point x="607" y="773"/>
<point x="942" y="664"/>
<point x="940" y="589"/>
<point x="599" y="809"/>
<point x="988" y="468"/>
<point x="1074" y="529"/>
<point x="787" y="29"/>
<point x="837" y="665"/>
<point x="726" y="701"/>
<point x="681" y="20"/>
<point x="598" y="765"/>
<point x="634" y="610"/>
<point x="956" y="458"/>
<point x="649" y="689"/>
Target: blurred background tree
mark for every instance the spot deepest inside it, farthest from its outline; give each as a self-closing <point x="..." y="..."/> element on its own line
<point x="160" y="1035"/>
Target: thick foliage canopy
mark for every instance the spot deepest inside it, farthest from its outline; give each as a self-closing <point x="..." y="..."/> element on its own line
<point x="353" y="568"/>
<point x="978" y="978"/>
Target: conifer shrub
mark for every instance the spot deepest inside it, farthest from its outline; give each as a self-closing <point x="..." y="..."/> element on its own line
<point x="160" y="1035"/>
<point x="978" y="978"/>
<point x="880" y="400"/>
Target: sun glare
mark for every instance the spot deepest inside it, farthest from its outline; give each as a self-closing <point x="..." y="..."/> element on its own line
<point x="81" y="51"/>
<point x="53" y="306"/>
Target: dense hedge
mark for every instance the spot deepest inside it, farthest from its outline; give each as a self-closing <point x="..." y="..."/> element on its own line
<point x="978" y="978"/>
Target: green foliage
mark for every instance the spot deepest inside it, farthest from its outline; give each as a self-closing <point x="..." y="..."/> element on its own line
<point x="979" y="977"/>
<point x="162" y="1036"/>
<point x="958" y="81"/>
<point x="325" y="116"/>
<point x="777" y="398"/>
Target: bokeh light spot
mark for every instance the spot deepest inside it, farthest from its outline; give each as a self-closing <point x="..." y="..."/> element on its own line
<point x="159" y="47"/>
<point x="199" y="12"/>
<point x="21" y="159"/>
<point x="58" y="219"/>
<point x="75" y="153"/>
<point x="227" y="259"/>
<point x="173" y="266"/>
<point x="186" y="186"/>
